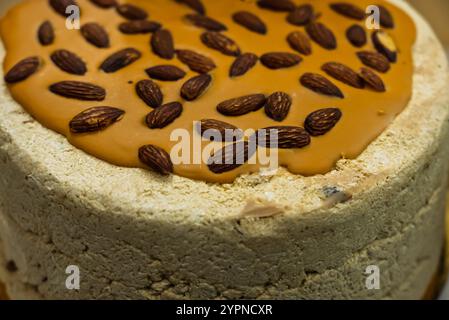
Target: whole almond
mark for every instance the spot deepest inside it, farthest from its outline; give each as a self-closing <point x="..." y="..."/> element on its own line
<point x="46" y="33"/>
<point x="105" y="3"/>
<point x="195" y="87"/>
<point x="156" y="158"/>
<point x="195" y="61"/>
<point x="165" y="73"/>
<point x="301" y="16"/>
<point x="150" y="93"/>
<point x="164" y="115"/>
<point x="356" y="35"/>
<point x="372" y="80"/>
<point x="220" y="42"/>
<point x="348" y="10"/>
<point x="78" y="90"/>
<point x="22" y="70"/>
<point x="276" y="5"/>
<point x="374" y="60"/>
<point x="242" y="64"/>
<point x="60" y="6"/>
<point x="204" y="22"/>
<point x="95" y="119"/>
<point x="162" y="44"/>
<point x="196" y="5"/>
<point x="300" y="42"/>
<point x="283" y="137"/>
<point x="250" y="21"/>
<point x="322" y="35"/>
<point x="344" y="74"/>
<point x="231" y="157"/>
<point x="95" y="34"/>
<point x="242" y="105"/>
<point x="320" y="84"/>
<point x="132" y="12"/>
<point x="386" y="18"/>
<point x="120" y="60"/>
<point x="322" y="121"/>
<point x="279" y="60"/>
<point x="139" y="27"/>
<point x="69" y="62"/>
<point x="385" y="45"/>
<point x="278" y="105"/>
<point x="213" y="129"/>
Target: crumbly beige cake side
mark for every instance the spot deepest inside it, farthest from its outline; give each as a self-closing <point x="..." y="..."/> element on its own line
<point x="137" y="235"/>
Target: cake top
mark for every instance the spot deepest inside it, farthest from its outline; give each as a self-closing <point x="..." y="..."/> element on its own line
<point x="140" y="82"/>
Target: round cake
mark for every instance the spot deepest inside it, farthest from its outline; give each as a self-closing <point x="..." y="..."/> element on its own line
<point x="89" y="180"/>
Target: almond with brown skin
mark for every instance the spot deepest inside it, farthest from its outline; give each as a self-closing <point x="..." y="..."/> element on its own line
<point x="150" y="93"/>
<point x="279" y="60"/>
<point x="165" y="73"/>
<point x="196" y="5"/>
<point x="372" y="80"/>
<point x="283" y="137"/>
<point x="132" y="12"/>
<point x="156" y="158"/>
<point x="95" y="119"/>
<point x="60" y="6"/>
<point x="300" y="42"/>
<point x="320" y="84"/>
<point x="95" y="34"/>
<point x="139" y="27"/>
<point x="385" y="45"/>
<point x="348" y="10"/>
<point x="344" y="74"/>
<point x="278" y="105"/>
<point x="22" y="70"/>
<point x="46" y="33"/>
<point x="242" y="105"/>
<point x="322" y="121"/>
<point x="374" y="60"/>
<point x="242" y="64"/>
<point x="356" y="35"/>
<point x="250" y="21"/>
<point x="164" y="115"/>
<point x="301" y="16"/>
<point x="231" y="157"/>
<point x="195" y="87"/>
<point x="162" y="44"/>
<point x="322" y="35"/>
<point x="120" y="60"/>
<point x="105" y="3"/>
<point x="204" y="22"/>
<point x="386" y="18"/>
<point x="78" y="90"/>
<point x="220" y="42"/>
<point x="195" y="61"/>
<point x="277" y="5"/>
<point x="68" y="62"/>
<point x="212" y="129"/>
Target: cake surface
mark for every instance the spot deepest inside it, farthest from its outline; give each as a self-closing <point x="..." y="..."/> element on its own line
<point x="136" y="234"/>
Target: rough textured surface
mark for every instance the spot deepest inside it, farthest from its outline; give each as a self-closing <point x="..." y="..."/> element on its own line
<point x="137" y="235"/>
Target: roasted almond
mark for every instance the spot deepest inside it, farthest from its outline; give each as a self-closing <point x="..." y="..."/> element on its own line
<point x="150" y="93"/>
<point x="164" y="115"/>
<point x="195" y="87"/>
<point x="78" y="90"/>
<point x="95" y="34"/>
<point x="156" y="158"/>
<point x="348" y="10"/>
<point x="68" y="62"/>
<point x="386" y="18"/>
<point x="374" y="60"/>
<point x="120" y="60"/>
<point x="231" y="157"/>
<point x="320" y="84"/>
<point x="95" y="119"/>
<point x="46" y="33"/>
<point x="105" y="3"/>
<point x="344" y="74"/>
<point x="204" y="22"/>
<point x="165" y="73"/>
<point x="220" y="42"/>
<point x="139" y="27"/>
<point x="22" y="70"/>
<point x="277" y="5"/>
<point x="162" y="44"/>
<point x="278" y="105"/>
<point x="219" y="131"/>
<point x="283" y="137"/>
<point x="372" y="80"/>
<point x="322" y="121"/>
<point x="279" y="60"/>
<point x="322" y="35"/>
<point x="132" y="12"/>
<point x="300" y="42"/>
<point x="242" y="64"/>
<point x="356" y="35"/>
<point x="301" y="16"/>
<point x="250" y="21"/>
<point x="60" y="6"/>
<point x="196" y="5"/>
<point x="242" y="105"/>
<point x="385" y="45"/>
<point x="195" y="61"/>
